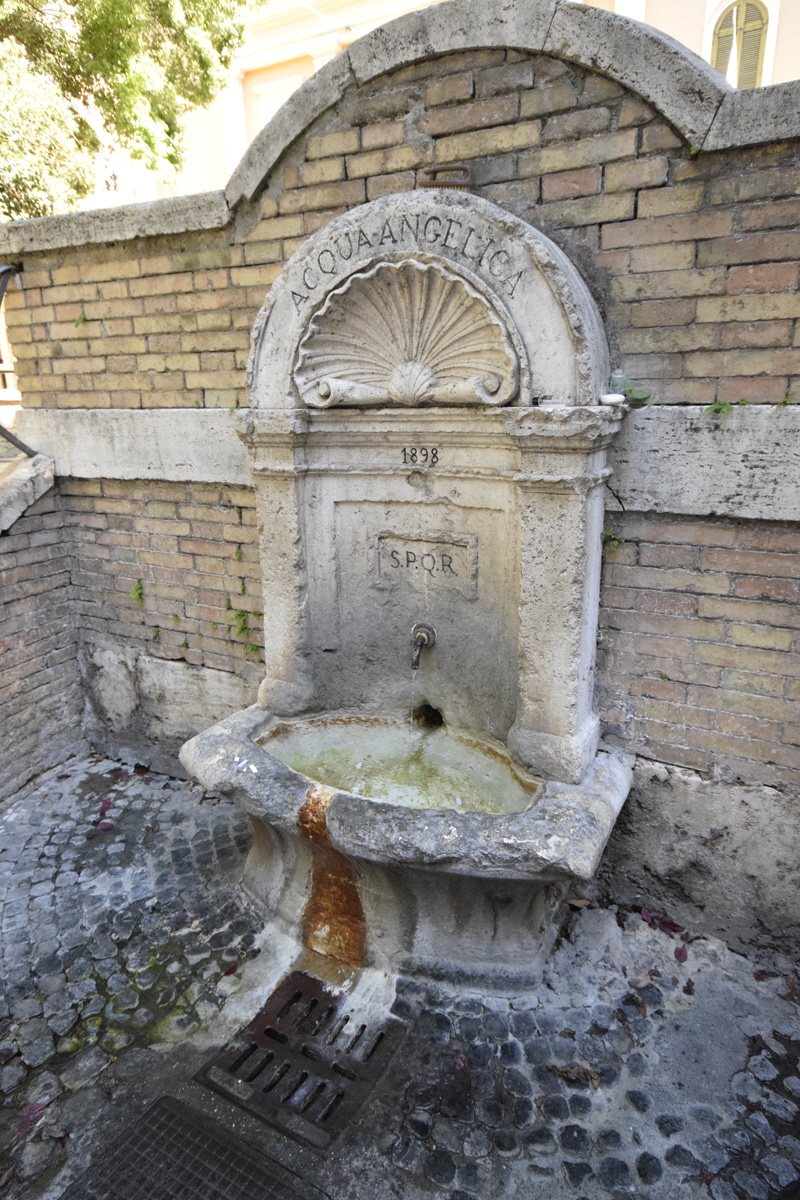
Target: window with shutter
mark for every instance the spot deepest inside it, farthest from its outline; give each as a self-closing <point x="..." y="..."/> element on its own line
<point x="741" y="31"/>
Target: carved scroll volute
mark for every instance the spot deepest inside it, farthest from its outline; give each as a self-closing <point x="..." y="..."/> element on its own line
<point x="406" y="333"/>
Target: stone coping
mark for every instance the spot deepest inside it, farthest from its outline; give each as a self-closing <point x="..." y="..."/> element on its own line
<point x="561" y="836"/>
<point x="689" y="93"/>
<point x="679" y="459"/>
<point x="22" y="481"/>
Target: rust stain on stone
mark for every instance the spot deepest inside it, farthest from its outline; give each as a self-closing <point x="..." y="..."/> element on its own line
<point x="333" y="922"/>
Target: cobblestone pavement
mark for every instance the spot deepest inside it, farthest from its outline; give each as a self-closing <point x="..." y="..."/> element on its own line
<point x="647" y="1064"/>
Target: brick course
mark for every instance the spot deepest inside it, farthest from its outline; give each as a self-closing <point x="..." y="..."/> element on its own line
<point x="689" y="670"/>
<point x="169" y="568"/>
<point x="41" y="700"/>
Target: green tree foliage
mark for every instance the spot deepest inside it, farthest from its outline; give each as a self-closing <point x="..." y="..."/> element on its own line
<point x="131" y="67"/>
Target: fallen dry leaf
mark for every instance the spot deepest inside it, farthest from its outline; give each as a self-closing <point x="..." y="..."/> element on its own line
<point x="576" y="1073"/>
<point x="662" y="922"/>
<point x="681" y="954"/>
<point x="31" y="1114"/>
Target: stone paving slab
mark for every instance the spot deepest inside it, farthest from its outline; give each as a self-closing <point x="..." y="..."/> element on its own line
<point x="647" y="1064"/>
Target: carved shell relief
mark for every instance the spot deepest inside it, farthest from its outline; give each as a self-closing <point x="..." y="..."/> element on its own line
<point x="407" y="333"/>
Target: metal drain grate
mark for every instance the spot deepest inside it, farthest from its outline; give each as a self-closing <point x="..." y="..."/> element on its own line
<point x="302" y="1064"/>
<point x="174" y="1152"/>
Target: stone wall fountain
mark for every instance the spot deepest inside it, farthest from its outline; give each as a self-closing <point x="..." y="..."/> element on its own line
<point x="428" y="449"/>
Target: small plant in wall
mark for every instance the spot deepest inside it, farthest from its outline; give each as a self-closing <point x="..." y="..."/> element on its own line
<point x="611" y="539"/>
<point x="721" y="408"/>
<point x="785" y="402"/>
<point x="622" y="385"/>
<point x="241" y="622"/>
<point x="137" y="592"/>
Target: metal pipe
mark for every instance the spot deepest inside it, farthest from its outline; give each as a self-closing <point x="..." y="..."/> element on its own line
<point x="12" y="437"/>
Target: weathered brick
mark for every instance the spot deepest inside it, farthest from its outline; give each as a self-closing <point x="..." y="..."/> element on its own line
<point x="498" y="110"/>
<point x="669" y="340"/>
<point x="634" y="111"/>
<point x="577" y="123"/>
<point x="764" y="307"/>
<point x="582" y="153"/>
<point x="591" y="209"/>
<point x="716" y="583"/>
<point x="504" y="78"/>
<point x="566" y="184"/>
<point x="387" y="185"/>
<point x="384" y="162"/>
<point x="753" y="185"/>
<point x="683" y="198"/>
<point x="487" y="142"/>
<point x="329" y="145"/>
<point x="772" y="708"/>
<point x="659" y="137"/>
<point x="650" y="285"/>
<point x="768" y="662"/>
<point x="659" y="689"/>
<point x="753" y="334"/>
<point x="449" y="90"/>
<point x="662" y="312"/>
<point x="749" y="248"/>
<point x="276" y="228"/>
<point x="761" y="636"/>
<point x="637" y="173"/>
<point x="779" y="537"/>
<point x="743" y="362"/>
<point x="378" y="137"/>
<point x="775" y="215"/>
<point x="750" y="562"/>
<point x="677" y="257"/>
<point x="329" y="195"/>
<point x="323" y="170"/>
<point x="660" y="554"/>
<point x="652" y="230"/>
<point x="545" y="100"/>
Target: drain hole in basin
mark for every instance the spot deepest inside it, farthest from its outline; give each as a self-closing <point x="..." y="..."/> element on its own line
<point x="428" y="716"/>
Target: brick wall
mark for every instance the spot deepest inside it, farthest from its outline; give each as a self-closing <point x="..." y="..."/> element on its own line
<point x="41" y="699"/>
<point x="693" y="260"/>
<point x="171" y="569"/>
<point x="699" y="649"/>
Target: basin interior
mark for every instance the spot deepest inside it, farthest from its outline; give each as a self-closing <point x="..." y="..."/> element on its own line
<point x="401" y="763"/>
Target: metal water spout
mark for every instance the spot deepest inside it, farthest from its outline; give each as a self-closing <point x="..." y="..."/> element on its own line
<point x="421" y="635"/>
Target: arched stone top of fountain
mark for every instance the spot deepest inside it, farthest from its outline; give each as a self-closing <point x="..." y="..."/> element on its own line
<point x="430" y="297"/>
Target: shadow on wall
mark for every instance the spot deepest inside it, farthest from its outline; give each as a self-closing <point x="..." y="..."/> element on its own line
<point x="719" y="858"/>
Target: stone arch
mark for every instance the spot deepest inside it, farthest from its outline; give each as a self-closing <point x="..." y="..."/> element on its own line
<point x="555" y="334"/>
<point x="682" y="87"/>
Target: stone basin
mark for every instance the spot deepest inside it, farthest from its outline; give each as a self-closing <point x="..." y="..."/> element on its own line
<point x="402" y="763"/>
<point x="405" y="878"/>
